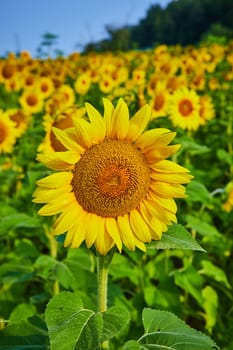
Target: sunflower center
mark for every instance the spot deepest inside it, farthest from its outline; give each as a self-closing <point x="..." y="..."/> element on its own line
<point x="32" y="100"/>
<point x="3" y="133"/>
<point x="18" y="117"/>
<point x="8" y="71"/>
<point x="185" y="107"/>
<point x="111" y="178"/>
<point x="159" y="102"/>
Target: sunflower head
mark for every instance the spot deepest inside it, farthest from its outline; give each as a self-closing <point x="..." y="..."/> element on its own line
<point x="184" y="109"/>
<point x="113" y="184"/>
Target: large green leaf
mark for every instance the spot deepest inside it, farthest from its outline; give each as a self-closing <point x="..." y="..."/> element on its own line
<point x="16" y="221"/>
<point x="176" y="237"/>
<point x="215" y="272"/>
<point x="164" y="330"/>
<point x="27" y="334"/>
<point x="73" y="327"/>
<point x="210" y="305"/>
<point x="202" y="227"/>
<point x="115" y="319"/>
<point x="197" y="192"/>
<point x="131" y="345"/>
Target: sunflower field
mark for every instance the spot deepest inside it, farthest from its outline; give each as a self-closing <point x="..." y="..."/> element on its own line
<point x="72" y="132"/>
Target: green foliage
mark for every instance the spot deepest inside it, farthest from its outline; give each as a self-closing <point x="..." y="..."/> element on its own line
<point x="72" y="326"/>
<point x="184" y="21"/>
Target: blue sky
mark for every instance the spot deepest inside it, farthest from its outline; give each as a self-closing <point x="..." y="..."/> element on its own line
<point x="22" y="22"/>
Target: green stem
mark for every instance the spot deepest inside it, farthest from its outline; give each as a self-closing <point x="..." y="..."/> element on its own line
<point x="103" y="263"/>
<point x="53" y="253"/>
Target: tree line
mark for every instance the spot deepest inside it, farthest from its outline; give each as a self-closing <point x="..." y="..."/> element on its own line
<point x="180" y="22"/>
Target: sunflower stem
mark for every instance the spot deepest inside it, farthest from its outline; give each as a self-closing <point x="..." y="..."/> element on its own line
<point x="103" y="263"/>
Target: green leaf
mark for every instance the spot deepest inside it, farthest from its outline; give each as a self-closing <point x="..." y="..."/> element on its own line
<point x="115" y="319"/>
<point x="44" y="266"/>
<point x="176" y="237"/>
<point x="71" y="326"/>
<point x="202" y="227"/>
<point x="22" y="312"/>
<point x="23" y="328"/>
<point x="210" y="305"/>
<point x="224" y="156"/>
<point x="15" y="272"/>
<point x="26" y="248"/>
<point x="30" y="342"/>
<point x="190" y="280"/>
<point x="67" y="321"/>
<point x="197" y="192"/>
<point x="131" y="345"/>
<point x="16" y="221"/>
<point x="192" y="147"/>
<point x="164" y="330"/>
<point x="209" y="269"/>
<point x="63" y="274"/>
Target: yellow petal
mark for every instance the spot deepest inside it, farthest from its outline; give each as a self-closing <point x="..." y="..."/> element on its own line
<point x="45" y="195"/>
<point x="157" y="227"/>
<point x="59" y="160"/>
<point x="56" y="180"/>
<point x="120" y="120"/>
<point x="139" y="226"/>
<point x="96" y="120"/>
<point x="67" y="219"/>
<point x="156" y="211"/>
<point x="103" y="241"/>
<point x="158" y="153"/>
<point x="163" y="212"/>
<point x="91" y="230"/>
<point x="85" y="133"/>
<point x="181" y="178"/>
<point x="167" y="166"/>
<point x="69" y="236"/>
<point x="166" y="190"/>
<point x="108" y="113"/>
<point x="147" y="139"/>
<point x="113" y="231"/>
<point x="65" y="139"/>
<point x="126" y="232"/>
<point x="58" y="205"/>
<point x="138" y="122"/>
<point x="80" y="230"/>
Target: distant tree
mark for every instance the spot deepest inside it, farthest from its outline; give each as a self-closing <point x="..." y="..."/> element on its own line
<point x="181" y="22"/>
<point x="48" y="40"/>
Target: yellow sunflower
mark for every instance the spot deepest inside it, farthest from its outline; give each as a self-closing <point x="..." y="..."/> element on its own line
<point x="61" y="121"/>
<point x="31" y="101"/>
<point x="82" y="84"/>
<point x="113" y="185"/>
<point x="184" y="109"/>
<point x="7" y="133"/>
<point x="160" y="101"/>
<point x="20" y="119"/>
<point x="228" y="204"/>
<point x="207" y="110"/>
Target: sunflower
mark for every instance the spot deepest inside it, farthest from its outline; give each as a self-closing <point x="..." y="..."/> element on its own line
<point x="82" y="84"/>
<point x="61" y="121"/>
<point x="20" y="119"/>
<point x="206" y="111"/>
<point x="184" y="109"/>
<point x="113" y="185"/>
<point x="31" y="101"/>
<point x="7" y="133"/>
<point x="160" y="101"/>
<point x="228" y="204"/>
<point x="45" y="86"/>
